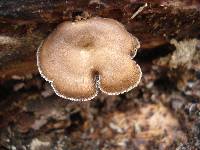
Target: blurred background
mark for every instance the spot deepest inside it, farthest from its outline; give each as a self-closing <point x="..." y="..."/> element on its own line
<point x="162" y="113"/>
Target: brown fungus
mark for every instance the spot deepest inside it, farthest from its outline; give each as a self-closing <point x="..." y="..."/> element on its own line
<point x="79" y="58"/>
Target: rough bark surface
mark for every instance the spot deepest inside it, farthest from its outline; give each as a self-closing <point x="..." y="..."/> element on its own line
<point x="26" y="23"/>
<point x="163" y="112"/>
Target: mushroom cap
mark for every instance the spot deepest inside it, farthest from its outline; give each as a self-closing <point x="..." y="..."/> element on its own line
<point x="79" y="58"/>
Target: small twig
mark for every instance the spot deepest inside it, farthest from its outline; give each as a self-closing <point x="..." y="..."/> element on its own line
<point x="138" y="11"/>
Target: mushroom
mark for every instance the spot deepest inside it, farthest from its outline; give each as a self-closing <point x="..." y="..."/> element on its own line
<point x="81" y="58"/>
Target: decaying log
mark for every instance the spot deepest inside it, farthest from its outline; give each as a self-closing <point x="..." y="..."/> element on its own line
<point x="161" y="113"/>
<point x="25" y="23"/>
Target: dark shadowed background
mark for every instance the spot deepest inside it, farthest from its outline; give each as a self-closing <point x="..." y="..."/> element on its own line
<point x="163" y="112"/>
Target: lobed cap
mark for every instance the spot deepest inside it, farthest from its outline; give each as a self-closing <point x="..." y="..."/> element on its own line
<point x="81" y="58"/>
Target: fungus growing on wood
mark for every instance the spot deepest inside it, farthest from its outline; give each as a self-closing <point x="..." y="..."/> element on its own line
<point x="81" y="58"/>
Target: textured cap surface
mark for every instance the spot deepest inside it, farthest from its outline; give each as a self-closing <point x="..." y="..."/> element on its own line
<point x="77" y="52"/>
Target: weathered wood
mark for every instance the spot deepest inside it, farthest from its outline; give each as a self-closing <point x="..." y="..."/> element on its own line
<point x="25" y="23"/>
<point x="161" y="113"/>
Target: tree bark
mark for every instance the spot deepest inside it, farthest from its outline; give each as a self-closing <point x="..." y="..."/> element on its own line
<point x="25" y="23"/>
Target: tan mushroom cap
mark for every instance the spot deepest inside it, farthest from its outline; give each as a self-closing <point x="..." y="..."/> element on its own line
<point x="77" y="52"/>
